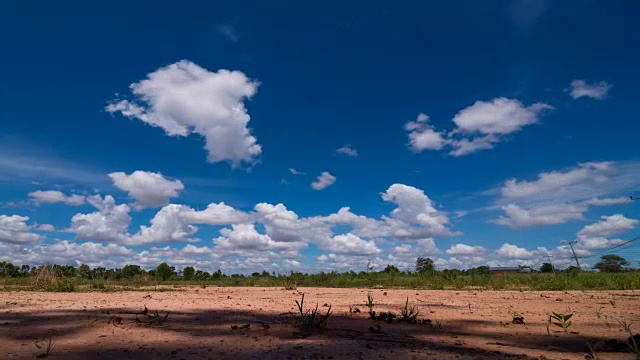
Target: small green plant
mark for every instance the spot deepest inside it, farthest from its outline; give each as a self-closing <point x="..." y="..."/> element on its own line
<point x="98" y="284"/>
<point x="203" y="285"/>
<point x="47" y="348"/>
<point x="561" y="320"/>
<point x="409" y="314"/>
<point x="632" y="339"/>
<point x="370" y="301"/>
<point x="438" y="324"/>
<point x="310" y="319"/>
<point x="548" y="325"/>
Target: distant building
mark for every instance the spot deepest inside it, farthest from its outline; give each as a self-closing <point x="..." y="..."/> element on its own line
<point x="508" y="270"/>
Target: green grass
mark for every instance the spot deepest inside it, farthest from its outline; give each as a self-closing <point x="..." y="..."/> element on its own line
<point x="432" y="281"/>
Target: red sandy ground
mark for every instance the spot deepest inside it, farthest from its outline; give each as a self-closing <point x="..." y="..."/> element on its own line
<point x="475" y="324"/>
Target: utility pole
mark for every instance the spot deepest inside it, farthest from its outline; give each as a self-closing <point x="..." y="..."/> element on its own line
<point x="552" y="268"/>
<point x="574" y="254"/>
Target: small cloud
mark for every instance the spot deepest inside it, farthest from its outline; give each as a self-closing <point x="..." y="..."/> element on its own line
<point x="598" y="91"/>
<point x="229" y="32"/>
<point x="324" y="181"/>
<point x="296" y="172"/>
<point x="347" y="150"/>
<point x="46" y="227"/>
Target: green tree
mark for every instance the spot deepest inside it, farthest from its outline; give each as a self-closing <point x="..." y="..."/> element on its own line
<point x="188" y="273"/>
<point x="611" y="263"/>
<point x="164" y="271"/>
<point x="83" y="271"/>
<point x="391" y="269"/>
<point x="424" y="265"/>
<point x="130" y="271"/>
<point x="546" y="268"/>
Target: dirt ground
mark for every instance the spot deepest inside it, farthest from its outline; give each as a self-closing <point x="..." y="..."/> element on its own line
<point x="474" y="324"/>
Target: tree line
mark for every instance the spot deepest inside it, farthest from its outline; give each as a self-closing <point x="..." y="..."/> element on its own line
<point x="609" y="263"/>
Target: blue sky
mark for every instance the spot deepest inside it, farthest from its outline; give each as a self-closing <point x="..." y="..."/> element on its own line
<point x="235" y="136"/>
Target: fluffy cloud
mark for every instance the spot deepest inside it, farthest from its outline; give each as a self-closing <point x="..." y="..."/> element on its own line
<point x="295" y="172"/>
<point x="552" y="184"/>
<point x="553" y="214"/>
<point x="465" y="250"/>
<point x="109" y="224"/>
<point x="499" y="116"/>
<point x="596" y="236"/>
<point x="347" y="150"/>
<point x="510" y="251"/>
<point x="350" y="244"/>
<point x="557" y="197"/>
<point x="147" y="188"/>
<point x="323" y="181"/>
<point x="68" y="253"/>
<point x="610" y="225"/>
<point x="14" y="230"/>
<point x="46" y="227"/>
<point x="184" y="98"/>
<point x="598" y="91"/>
<point x="478" y="127"/>
<point x="245" y="237"/>
<point x="168" y="225"/>
<point x="423" y="136"/>
<point x="55" y="196"/>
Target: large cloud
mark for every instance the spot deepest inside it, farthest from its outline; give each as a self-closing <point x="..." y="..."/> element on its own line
<point x="14" y="230"/>
<point x="109" y="224"/>
<point x="557" y="197"/>
<point x="147" y="188"/>
<point x="184" y="98"/>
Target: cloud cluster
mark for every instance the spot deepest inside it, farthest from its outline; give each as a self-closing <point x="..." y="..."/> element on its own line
<point x="478" y="127"/>
<point x="14" y="230"/>
<point x="558" y="197"/>
<point x="184" y="98"/>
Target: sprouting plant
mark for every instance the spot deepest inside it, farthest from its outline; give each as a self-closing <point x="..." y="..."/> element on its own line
<point x="548" y="324"/>
<point x="310" y="319"/>
<point x="562" y="320"/>
<point x="409" y="314"/>
<point x="438" y="324"/>
<point x="47" y="348"/>
<point x="603" y="317"/>
<point x="633" y="344"/>
<point x="370" y="301"/>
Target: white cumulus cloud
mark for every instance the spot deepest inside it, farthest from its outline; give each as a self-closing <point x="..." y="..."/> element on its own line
<point x="14" y="230"/>
<point x="55" y="196"/>
<point x="184" y="98"/>
<point x="465" y="250"/>
<point x="323" y="181"/>
<point x="479" y="126"/>
<point x="147" y="188"/>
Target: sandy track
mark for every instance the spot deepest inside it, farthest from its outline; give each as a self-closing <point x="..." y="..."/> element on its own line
<point x="475" y="324"/>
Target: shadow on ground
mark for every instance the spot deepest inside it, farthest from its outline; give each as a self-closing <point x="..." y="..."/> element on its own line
<point x="115" y="333"/>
